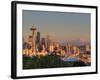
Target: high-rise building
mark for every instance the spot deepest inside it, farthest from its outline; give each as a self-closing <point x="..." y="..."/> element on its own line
<point x="37" y="42"/>
<point x="43" y="41"/>
<point x="38" y="39"/>
<point x="48" y="42"/>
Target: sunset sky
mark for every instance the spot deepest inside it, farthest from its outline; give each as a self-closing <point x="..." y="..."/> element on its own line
<point x="58" y="25"/>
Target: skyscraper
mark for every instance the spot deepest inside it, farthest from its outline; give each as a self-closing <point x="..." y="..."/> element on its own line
<point x="43" y="41"/>
<point x="38" y="39"/>
<point x="48" y="42"/>
<point x="38" y="42"/>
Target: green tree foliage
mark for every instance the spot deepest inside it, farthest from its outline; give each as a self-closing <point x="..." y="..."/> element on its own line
<point x="49" y="61"/>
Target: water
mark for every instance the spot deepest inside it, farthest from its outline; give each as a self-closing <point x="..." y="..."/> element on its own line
<point x="70" y="59"/>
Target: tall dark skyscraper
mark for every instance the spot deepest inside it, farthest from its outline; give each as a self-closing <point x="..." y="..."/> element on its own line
<point x="38" y="38"/>
<point x="38" y="41"/>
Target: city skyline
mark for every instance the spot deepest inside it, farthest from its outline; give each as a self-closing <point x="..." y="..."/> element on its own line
<point x="55" y="39"/>
<point x="58" y="25"/>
